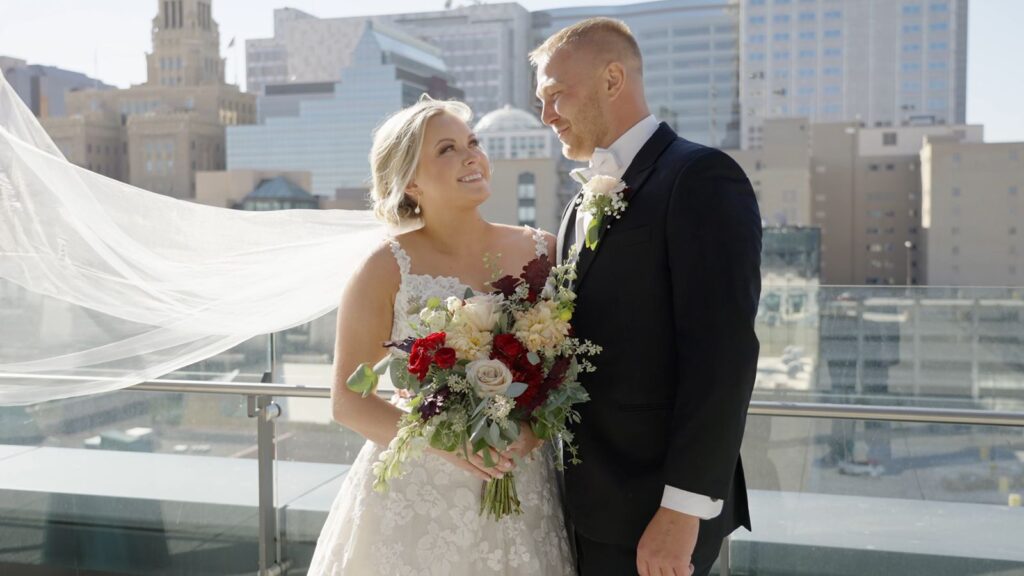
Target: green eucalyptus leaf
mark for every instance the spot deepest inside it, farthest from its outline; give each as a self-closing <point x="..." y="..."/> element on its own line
<point x="593" y="233"/>
<point x="363" y="380"/>
<point x="381" y="367"/>
<point x="515" y="389"/>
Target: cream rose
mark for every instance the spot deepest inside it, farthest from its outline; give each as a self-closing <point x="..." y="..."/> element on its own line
<point x="480" y="311"/>
<point x="489" y="377"/>
<point x="602" y="185"/>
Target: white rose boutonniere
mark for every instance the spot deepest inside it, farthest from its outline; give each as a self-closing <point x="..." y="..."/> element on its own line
<point x="603" y="197"/>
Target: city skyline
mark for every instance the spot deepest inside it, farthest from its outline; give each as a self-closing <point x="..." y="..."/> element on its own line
<point x="991" y="93"/>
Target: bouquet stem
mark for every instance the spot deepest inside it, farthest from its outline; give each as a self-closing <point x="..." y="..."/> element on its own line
<point x="500" y="498"/>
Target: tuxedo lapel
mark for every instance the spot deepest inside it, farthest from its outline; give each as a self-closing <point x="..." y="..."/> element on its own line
<point x="635" y="177"/>
<point x="567" y="224"/>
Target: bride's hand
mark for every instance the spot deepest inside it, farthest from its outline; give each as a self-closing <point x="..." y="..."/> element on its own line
<point x="524" y="445"/>
<point x="475" y="464"/>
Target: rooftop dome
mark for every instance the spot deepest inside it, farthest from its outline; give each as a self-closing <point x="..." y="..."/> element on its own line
<point x="507" y="119"/>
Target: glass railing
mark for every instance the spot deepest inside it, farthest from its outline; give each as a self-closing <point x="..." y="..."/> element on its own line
<point x="870" y="449"/>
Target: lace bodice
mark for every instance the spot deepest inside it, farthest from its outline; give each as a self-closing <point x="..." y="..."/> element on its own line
<point x="428" y="523"/>
<point x="415" y="289"/>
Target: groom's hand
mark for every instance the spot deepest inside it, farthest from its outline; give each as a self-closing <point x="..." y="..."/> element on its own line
<point x="667" y="544"/>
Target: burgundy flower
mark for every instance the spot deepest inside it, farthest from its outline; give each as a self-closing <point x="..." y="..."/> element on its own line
<point x="506" y="285"/>
<point x="506" y="347"/>
<point x="434" y="404"/>
<point x="535" y="273"/>
<point x="537" y="393"/>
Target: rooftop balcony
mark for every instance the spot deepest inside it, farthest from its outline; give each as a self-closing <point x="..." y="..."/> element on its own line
<point x="886" y="436"/>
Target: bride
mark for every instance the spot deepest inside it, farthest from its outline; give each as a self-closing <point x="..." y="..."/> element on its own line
<point x="428" y="166"/>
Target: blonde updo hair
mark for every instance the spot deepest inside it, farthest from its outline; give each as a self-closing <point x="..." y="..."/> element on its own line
<point x="396" y="154"/>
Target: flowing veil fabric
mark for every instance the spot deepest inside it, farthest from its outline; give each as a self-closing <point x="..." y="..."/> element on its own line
<point x="104" y="285"/>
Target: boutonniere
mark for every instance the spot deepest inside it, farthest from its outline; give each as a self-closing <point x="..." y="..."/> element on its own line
<point x="605" y="198"/>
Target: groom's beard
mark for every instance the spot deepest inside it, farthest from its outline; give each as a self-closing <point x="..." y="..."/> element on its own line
<point x="586" y="129"/>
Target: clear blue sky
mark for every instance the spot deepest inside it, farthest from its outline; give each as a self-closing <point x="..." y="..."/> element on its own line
<point x="107" y="39"/>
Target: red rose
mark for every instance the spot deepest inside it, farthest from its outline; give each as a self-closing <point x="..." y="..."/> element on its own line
<point x="419" y="362"/>
<point x="445" y="358"/>
<point x="422" y="355"/>
<point x="432" y="341"/>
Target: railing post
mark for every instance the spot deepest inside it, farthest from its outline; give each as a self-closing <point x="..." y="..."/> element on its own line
<point x="859" y="384"/>
<point x="724" y="561"/>
<point x="265" y="410"/>
<point x="975" y="350"/>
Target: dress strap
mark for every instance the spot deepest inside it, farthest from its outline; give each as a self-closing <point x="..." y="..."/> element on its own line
<point x="541" y="241"/>
<point x="404" y="263"/>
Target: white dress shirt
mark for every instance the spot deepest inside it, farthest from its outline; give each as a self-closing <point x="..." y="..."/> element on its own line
<point x="613" y="161"/>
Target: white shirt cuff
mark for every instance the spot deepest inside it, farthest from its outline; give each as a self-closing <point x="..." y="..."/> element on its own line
<point x="689" y="503"/>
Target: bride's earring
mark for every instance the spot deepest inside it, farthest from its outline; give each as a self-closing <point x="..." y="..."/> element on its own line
<point x="417" y="210"/>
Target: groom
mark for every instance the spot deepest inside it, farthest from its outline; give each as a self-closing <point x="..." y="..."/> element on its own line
<point x="670" y="292"/>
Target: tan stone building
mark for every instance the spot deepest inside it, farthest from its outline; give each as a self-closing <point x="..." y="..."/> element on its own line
<point x="527" y="170"/>
<point x="227" y="188"/>
<point x="866" y="198"/>
<point x="780" y="172"/>
<point x="157" y="135"/>
<point x="973" y="212"/>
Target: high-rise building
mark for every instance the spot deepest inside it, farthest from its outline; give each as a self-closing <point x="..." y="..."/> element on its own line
<point x="42" y="88"/>
<point x="973" y="212"/>
<point x="304" y="49"/>
<point x="878" y="63"/>
<point x="484" y="46"/>
<point x="866" y="188"/>
<point x="691" y="61"/>
<point x="331" y="136"/>
<point x="156" y="135"/>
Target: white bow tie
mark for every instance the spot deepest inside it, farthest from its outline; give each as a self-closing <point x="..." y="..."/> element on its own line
<point x="602" y="161"/>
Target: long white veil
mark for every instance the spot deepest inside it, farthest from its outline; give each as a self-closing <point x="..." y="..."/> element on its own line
<point x="104" y="285"/>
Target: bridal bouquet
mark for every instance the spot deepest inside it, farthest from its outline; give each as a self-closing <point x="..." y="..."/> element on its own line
<point x="481" y="365"/>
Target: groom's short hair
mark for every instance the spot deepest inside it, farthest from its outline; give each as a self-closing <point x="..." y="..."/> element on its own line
<point x="612" y="36"/>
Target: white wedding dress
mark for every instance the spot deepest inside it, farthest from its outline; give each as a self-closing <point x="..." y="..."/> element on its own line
<point x="429" y="521"/>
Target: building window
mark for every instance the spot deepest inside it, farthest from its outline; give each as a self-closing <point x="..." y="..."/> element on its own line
<point x="526" y="193"/>
<point x="888" y="139"/>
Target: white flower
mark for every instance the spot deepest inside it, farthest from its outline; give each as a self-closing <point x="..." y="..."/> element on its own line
<point x="541" y="328"/>
<point x="603" y="196"/>
<point x="453" y="303"/>
<point x="499" y="407"/>
<point x="602" y="185"/>
<point x="468" y="342"/>
<point x="480" y="311"/>
<point x="489" y="377"/>
<point x="434" y="320"/>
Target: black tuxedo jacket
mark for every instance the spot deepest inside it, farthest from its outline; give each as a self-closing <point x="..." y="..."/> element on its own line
<point x="670" y="294"/>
